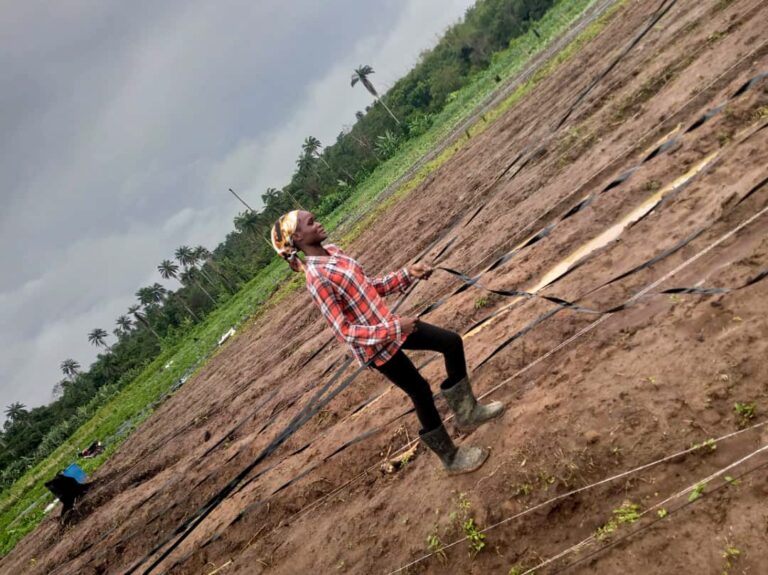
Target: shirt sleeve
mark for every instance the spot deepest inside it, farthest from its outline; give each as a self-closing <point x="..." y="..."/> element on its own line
<point x="350" y="333"/>
<point x="385" y="285"/>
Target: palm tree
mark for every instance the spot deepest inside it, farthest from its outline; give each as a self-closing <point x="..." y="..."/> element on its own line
<point x="187" y="258"/>
<point x="189" y="275"/>
<point x="97" y="336"/>
<point x="16" y="411"/>
<point x="205" y="256"/>
<point x="158" y="292"/>
<point x="146" y="296"/>
<point x="134" y="311"/>
<point x="70" y="368"/>
<point x="124" y="323"/>
<point x="169" y="270"/>
<point x="361" y="75"/>
<point x="311" y="147"/>
<point x="184" y="256"/>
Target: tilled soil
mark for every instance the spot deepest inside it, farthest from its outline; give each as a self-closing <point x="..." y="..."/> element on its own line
<point x="630" y="175"/>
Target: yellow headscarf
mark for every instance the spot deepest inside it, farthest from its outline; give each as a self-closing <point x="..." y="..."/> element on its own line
<point x="282" y="235"/>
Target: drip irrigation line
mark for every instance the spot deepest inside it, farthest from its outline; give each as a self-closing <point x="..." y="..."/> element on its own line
<point x="590" y="486"/>
<point x="615" y="541"/>
<point x="664" y="7"/>
<point x="660" y="504"/>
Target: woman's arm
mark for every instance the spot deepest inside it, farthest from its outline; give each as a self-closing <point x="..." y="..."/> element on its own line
<point x="385" y="285"/>
<point x="324" y="296"/>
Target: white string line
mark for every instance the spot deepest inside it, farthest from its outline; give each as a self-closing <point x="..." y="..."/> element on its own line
<point x="596" y="484"/>
<point x="680" y="493"/>
<point x="538" y="360"/>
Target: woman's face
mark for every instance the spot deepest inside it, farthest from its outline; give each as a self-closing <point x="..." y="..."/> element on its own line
<point x="308" y="230"/>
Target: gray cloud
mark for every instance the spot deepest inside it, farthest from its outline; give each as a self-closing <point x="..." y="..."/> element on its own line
<point x="124" y="123"/>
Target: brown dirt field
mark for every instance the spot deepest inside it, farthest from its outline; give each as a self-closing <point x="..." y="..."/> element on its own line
<point x="587" y="396"/>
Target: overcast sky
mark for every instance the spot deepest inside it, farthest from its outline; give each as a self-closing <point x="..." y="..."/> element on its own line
<point x="122" y="124"/>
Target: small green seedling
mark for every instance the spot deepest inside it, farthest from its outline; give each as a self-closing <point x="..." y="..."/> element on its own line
<point x="696" y="492"/>
<point x="710" y="444"/>
<point x="731" y="481"/>
<point x="482" y="302"/>
<point x="627" y="513"/>
<point x="605" y="531"/>
<point x="522" y="489"/>
<point x="475" y="538"/>
<point x="435" y="545"/>
<point x="730" y="554"/>
<point x="662" y="513"/>
<point x="746" y="412"/>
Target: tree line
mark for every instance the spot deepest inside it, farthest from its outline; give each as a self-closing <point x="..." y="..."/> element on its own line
<point x="323" y="179"/>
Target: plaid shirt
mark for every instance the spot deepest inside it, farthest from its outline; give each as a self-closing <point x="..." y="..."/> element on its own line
<point x="351" y="303"/>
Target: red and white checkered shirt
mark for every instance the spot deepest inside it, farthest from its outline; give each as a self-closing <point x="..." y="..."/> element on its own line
<point x="352" y="304"/>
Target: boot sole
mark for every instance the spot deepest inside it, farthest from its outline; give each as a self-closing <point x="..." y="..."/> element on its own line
<point x="472" y="428"/>
<point x="471" y="469"/>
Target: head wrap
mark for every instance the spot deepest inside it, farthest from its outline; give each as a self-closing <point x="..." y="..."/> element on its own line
<point x="282" y="234"/>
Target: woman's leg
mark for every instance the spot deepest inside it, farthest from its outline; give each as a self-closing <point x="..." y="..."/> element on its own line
<point x="449" y="343"/>
<point x="400" y="371"/>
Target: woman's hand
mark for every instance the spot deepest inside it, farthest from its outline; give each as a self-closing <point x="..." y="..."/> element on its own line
<point x="408" y="325"/>
<point x="420" y="271"/>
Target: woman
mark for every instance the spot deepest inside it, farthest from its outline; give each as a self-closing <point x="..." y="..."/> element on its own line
<point x="351" y="303"/>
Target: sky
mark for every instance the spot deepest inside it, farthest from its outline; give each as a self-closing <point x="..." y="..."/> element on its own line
<point x="123" y="124"/>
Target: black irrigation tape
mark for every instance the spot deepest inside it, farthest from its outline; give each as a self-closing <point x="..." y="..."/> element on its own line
<point x="661" y="11"/>
<point x="472" y="282"/>
<point x="626" y="305"/>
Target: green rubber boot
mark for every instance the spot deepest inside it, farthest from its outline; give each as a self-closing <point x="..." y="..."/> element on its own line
<point x="469" y="414"/>
<point x="456" y="460"/>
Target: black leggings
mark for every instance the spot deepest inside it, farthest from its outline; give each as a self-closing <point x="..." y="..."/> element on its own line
<point x="401" y="371"/>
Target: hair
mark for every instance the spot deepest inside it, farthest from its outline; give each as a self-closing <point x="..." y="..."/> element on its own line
<point x="289" y="255"/>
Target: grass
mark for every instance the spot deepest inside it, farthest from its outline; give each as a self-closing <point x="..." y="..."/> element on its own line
<point x="22" y="503"/>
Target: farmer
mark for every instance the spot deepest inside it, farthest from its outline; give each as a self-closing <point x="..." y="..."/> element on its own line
<point x="351" y="303"/>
